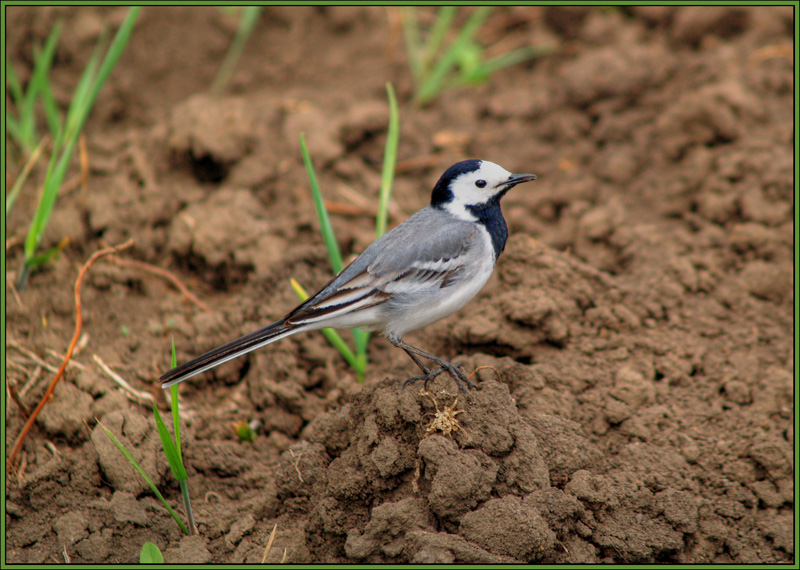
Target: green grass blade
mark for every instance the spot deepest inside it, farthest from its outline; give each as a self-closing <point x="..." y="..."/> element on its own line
<point x="82" y="91"/>
<point x="511" y="58"/>
<point x="473" y="24"/>
<point x="176" y="420"/>
<point x="147" y="479"/>
<point x="333" y="337"/>
<point x="14" y="85"/>
<point x="49" y="254"/>
<point x="436" y="80"/>
<point x="339" y="344"/>
<point x="51" y="112"/>
<point x="115" y="51"/>
<point x="413" y="43"/>
<point x="14" y="123"/>
<point x="187" y="506"/>
<point x="32" y="240"/>
<point x="40" y="78"/>
<point x="247" y="22"/>
<point x="322" y="213"/>
<point x="74" y="124"/>
<point x="166" y="441"/>
<point x="389" y="162"/>
<point x="361" y="338"/>
<point x="40" y="81"/>
<point x="361" y="358"/>
<point x="14" y="129"/>
<point x="444" y="20"/>
<point x="46" y="203"/>
<point x="150" y="554"/>
<point x="170" y="450"/>
<point x="176" y="417"/>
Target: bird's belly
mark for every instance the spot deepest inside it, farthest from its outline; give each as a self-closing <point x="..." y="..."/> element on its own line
<point x="422" y="310"/>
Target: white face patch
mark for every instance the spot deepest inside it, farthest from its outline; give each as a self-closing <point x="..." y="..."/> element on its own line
<point x="475" y="188"/>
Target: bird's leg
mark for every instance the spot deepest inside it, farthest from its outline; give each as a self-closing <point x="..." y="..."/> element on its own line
<point x="444" y="366"/>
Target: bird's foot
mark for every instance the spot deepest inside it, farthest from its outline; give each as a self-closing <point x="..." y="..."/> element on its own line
<point x="453" y="369"/>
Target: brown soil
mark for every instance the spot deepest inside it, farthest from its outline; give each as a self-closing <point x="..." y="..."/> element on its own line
<point x="636" y="382"/>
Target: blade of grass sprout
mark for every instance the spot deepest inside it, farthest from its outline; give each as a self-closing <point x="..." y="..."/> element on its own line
<point x="187" y="506"/>
<point x="435" y="80"/>
<point x="14" y="123"/>
<point x="468" y="65"/>
<point x="361" y="338"/>
<point x="413" y="43"/>
<point x="28" y="264"/>
<point x="51" y="112"/>
<point x="70" y="136"/>
<point x="40" y="81"/>
<point x="82" y="91"/>
<point x="174" y="402"/>
<point x="50" y="254"/>
<point x="176" y="421"/>
<point x="20" y="181"/>
<point x="57" y="169"/>
<point x="170" y="451"/>
<point x="150" y="554"/>
<point x="14" y="129"/>
<point x="512" y="58"/>
<point x="322" y="213"/>
<point x="331" y="334"/>
<point x="389" y="162"/>
<point x="147" y="479"/>
<point x="175" y="463"/>
<point x="14" y="84"/>
<point x="444" y="20"/>
<point x="39" y="78"/>
<point x="247" y="22"/>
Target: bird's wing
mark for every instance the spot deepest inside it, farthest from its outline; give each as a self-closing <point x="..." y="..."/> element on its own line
<point x="426" y="251"/>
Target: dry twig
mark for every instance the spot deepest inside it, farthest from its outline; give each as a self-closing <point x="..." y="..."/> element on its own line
<point x="12" y="285"/>
<point x="78" y="322"/>
<point x="133" y="394"/>
<point x="499" y="378"/>
<point x="296" y="465"/>
<point x="12" y="392"/>
<point x="771" y="52"/>
<point x="33" y="378"/>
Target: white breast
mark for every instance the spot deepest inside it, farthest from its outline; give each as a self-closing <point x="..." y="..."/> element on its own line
<point x="439" y="303"/>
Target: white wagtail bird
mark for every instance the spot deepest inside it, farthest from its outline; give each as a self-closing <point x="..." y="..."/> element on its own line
<point x="423" y="270"/>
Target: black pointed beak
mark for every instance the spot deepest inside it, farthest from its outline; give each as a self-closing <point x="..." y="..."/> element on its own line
<point x="515" y="179"/>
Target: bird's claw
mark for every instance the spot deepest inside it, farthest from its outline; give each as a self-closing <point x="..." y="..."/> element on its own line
<point x="454" y="370"/>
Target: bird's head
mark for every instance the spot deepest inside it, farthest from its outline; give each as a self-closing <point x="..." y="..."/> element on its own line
<point x="473" y="185"/>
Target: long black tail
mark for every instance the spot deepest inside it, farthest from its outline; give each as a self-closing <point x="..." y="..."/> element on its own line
<point x="229" y="351"/>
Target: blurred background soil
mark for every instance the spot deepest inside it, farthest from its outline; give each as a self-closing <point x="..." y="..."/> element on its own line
<point x="634" y="347"/>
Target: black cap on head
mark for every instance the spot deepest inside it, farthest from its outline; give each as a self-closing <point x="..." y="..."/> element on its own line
<point x="441" y="192"/>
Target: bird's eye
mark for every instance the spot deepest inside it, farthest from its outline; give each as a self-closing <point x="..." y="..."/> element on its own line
<point x="480" y="183"/>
